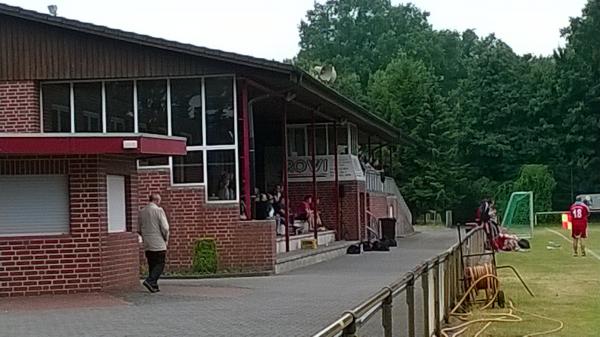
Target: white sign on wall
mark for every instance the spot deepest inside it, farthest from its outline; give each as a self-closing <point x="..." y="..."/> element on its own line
<point x="300" y="168"/>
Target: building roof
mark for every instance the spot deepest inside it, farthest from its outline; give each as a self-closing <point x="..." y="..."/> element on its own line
<point x="304" y="79"/>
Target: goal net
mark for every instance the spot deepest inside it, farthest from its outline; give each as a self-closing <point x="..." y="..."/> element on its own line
<point x="518" y="216"/>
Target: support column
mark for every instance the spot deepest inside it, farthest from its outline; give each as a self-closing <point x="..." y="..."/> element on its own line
<point x="336" y="194"/>
<point x="246" y="151"/>
<point x="313" y="153"/>
<point x="286" y="194"/>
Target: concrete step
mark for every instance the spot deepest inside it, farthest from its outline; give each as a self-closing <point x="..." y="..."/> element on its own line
<point x="305" y="257"/>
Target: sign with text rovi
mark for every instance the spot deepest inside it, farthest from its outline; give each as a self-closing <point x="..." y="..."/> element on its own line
<point x="300" y="168"/>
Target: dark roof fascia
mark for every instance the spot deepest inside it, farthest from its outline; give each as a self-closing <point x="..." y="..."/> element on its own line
<point x="144" y="39"/>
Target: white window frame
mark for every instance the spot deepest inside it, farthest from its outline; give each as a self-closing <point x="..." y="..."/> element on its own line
<point x="306" y="127"/>
<point x="205" y="148"/>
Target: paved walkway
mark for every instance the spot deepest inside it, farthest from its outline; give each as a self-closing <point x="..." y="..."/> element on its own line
<point x="295" y="304"/>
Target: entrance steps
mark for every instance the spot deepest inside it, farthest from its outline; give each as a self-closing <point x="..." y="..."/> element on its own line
<point x="289" y="261"/>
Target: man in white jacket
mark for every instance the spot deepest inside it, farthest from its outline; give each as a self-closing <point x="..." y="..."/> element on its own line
<point x="154" y="229"/>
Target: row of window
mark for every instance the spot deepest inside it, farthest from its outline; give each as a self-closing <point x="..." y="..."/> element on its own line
<point x="299" y="140"/>
<point x="200" y="109"/>
<point x="114" y="106"/>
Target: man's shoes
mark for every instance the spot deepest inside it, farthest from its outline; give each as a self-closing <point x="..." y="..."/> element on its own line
<point x="575" y="254"/>
<point x="583" y="253"/>
<point x="150" y="287"/>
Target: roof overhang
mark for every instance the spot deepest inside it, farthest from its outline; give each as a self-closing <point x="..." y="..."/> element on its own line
<point x="129" y="144"/>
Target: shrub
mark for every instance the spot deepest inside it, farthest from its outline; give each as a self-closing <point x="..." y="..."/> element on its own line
<point x="205" y="256"/>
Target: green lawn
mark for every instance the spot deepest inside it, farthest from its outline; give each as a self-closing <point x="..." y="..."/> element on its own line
<point x="566" y="287"/>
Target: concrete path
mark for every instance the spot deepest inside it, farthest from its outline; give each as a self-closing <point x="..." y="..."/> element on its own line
<point x="295" y="304"/>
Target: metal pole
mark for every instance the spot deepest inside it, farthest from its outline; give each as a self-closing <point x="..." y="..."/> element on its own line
<point x="246" y="150"/>
<point x="285" y="178"/>
<point x="386" y="316"/>
<point x="436" y="294"/>
<point x="313" y="150"/>
<point x="410" y="302"/>
<point x="425" y="286"/>
<point x="336" y="194"/>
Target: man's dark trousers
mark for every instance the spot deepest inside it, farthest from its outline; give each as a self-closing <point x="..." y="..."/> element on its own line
<point x="156" y="264"/>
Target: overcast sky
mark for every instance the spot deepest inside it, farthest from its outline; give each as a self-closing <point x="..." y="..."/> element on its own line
<point x="269" y="28"/>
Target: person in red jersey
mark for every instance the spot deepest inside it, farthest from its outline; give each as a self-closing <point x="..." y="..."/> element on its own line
<point x="579" y="214"/>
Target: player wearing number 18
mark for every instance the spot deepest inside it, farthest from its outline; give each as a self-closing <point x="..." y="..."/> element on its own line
<point x="579" y="215"/>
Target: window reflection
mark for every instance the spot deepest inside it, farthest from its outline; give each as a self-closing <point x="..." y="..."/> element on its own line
<point x="88" y="106"/>
<point x="152" y="106"/>
<point x="56" y="100"/>
<point x="219" y="111"/>
<point x="186" y="109"/>
<point x="189" y="168"/>
<point x="221" y="175"/>
<point x="119" y="106"/>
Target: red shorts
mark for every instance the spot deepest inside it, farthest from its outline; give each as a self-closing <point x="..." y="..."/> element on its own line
<point x="579" y="231"/>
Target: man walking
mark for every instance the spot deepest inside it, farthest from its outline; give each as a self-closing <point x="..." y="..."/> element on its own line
<point x="579" y="214"/>
<point x="154" y="229"/>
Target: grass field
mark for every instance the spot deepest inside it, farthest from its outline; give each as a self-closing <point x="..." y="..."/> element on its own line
<point x="567" y="288"/>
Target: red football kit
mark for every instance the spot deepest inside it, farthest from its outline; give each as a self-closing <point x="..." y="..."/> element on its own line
<point x="579" y="219"/>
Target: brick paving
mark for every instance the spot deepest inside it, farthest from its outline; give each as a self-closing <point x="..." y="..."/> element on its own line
<point x="298" y="303"/>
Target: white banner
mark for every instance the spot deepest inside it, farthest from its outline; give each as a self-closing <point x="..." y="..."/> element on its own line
<point x="300" y="168"/>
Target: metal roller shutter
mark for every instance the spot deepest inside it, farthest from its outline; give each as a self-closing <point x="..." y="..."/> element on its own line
<point x="34" y="204"/>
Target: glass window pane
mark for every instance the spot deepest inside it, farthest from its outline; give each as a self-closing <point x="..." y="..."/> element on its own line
<point x="296" y="141"/>
<point x="331" y="136"/>
<point x="152" y="106"/>
<point x="88" y="106"/>
<point x="354" y="140"/>
<point x="321" y="140"/>
<point x="221" y="178"/>
<point x="342" y="135"/>
<point x="56" y="107"/>
<point x="189" y="168"/>
<point x="219" y="111"/>
<point x="119" y="106"/>
<point x="154" y="161"/>
<point x="186" y="109"/>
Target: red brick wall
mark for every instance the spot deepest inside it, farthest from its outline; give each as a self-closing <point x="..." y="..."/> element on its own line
<point x="241" y="245"/>
<point x="19" y="106"/>
<point x="73" y="262"/>
<point x="120" y="258"/>
<point x="350" y="207"/>
<point x="378" y="205"/>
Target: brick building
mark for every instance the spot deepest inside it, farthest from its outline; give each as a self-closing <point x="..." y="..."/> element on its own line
<point x="93" y="120"/>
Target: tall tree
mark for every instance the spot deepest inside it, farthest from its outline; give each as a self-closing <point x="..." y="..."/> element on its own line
<point x="406" y="93"/>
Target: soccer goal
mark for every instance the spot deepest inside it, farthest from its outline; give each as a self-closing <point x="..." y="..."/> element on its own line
<point x="518" y="216"/>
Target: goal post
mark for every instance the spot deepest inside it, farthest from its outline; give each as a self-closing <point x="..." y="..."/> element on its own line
<point x="519" y="214"/>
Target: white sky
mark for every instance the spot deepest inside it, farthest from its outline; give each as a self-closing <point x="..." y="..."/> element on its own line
<point x="269" y="28"/>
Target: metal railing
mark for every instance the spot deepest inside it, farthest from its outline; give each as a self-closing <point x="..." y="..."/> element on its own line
<point x="441" y="285"/>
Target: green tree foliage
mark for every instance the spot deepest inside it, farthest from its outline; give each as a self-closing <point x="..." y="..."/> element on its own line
<point x="539" y="180"/>
<point x="476" y="110"/>
<point x="406" y="93"/>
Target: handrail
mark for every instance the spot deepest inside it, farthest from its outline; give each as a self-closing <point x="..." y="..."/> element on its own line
<point x="362" y="312"/>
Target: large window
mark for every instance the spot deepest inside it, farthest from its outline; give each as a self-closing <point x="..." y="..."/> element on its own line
<point x="297" y="141"/>
<point x="221" y="175"/>
<point x="56" y="100"/>
<point x="119" y="106"/>
<point x="152" y="106"/>
<point x="189" y="169"/>
<point x="88" y="106"/>
<point x="34" y="204"/>
<point x="186" y="110"/>
<point x="219" y="111"/>
<point x="200" y="109"/>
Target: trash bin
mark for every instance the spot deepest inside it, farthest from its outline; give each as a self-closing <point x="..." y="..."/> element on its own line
<point x="388" y="228"/>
